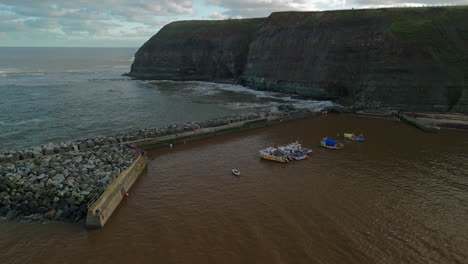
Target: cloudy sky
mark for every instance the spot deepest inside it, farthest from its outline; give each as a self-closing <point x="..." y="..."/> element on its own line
<point x="129" y="23"/>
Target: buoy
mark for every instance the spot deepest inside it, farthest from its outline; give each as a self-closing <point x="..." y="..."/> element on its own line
<point x="126" y="194"/>
<point x="185" y="142"/>
<point x="170" y="145"/>
<point x="138" y="165"/>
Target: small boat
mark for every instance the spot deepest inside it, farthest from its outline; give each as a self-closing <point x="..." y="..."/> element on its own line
<point x="298" y="147"/>
<point x="236" y="172"/>
<point x="274" y="154"/>
<point x="292" y="153"/>
<point x="354" y="137"/>
<point x="331" y="144"/>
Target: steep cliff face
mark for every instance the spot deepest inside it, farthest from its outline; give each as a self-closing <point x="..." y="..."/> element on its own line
<point x="196" y="50"/>
<point x="407" y="58"/>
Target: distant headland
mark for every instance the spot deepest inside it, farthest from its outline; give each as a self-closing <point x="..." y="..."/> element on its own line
<point x="407" y="58"/>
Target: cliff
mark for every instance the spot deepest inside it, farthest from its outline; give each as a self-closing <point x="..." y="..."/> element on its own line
<point x="196" y="50"/>
<point x="411" y="58"/>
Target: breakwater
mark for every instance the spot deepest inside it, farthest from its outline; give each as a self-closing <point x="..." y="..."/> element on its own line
<point x="417" y="123"/>
<point x="101" y="209"/>
<point x="57" y="181"/>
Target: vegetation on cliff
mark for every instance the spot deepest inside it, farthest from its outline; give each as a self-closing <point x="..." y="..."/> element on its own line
<point x="411" y="58"/>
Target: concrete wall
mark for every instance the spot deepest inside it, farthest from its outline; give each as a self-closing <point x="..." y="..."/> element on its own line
<point x="101" y="210"/>
<point x="201" y="133"/>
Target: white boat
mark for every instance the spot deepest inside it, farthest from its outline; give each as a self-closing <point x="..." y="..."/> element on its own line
<point x="292" y="153"/>
<point x="236" y="172"/>
<point x="298" y="147"/>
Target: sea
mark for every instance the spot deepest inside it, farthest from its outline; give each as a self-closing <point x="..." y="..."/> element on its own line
<point x="59" y="94"/>
<point x="398" y="197"/>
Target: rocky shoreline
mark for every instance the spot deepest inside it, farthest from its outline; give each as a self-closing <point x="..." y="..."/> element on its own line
<point x="56" y="181"/>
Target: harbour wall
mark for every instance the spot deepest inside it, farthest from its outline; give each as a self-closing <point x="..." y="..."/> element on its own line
<point x="151" y="143"/>
<point x="101" y="209"/>
<point x="65" y="181"/>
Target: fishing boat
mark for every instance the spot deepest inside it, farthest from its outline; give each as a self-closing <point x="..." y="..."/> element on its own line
<point x="354" y="137"/>
<point x="298" y="147"/>
<point x="274" y="154"/>
<point x="236" y="172"/>
<point x="331" y="144"/>
<point x="292" y="153"/>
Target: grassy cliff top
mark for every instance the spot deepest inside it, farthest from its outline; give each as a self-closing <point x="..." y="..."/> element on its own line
<point x="442" y="31"/>
<point x="195" y="27"/>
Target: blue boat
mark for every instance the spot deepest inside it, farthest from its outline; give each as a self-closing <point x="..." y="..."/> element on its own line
<point x="331" y="144"/>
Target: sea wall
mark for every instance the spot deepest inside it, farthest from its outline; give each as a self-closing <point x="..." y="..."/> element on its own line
<point x="58" y="187"/>
<point x="101" y="209"/>
<point x="407" y="58"/>
<point x="56" y="181"/>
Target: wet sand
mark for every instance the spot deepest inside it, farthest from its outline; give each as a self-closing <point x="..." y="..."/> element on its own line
<point x="399" y="197"/>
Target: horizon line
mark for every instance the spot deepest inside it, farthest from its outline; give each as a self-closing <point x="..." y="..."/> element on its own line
<point x="67" y="47"/>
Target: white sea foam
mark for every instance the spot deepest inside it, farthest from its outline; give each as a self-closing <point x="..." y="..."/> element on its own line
<point x="210" y="89"/>
<point x="213" y="88"/>
<point x="22" y="122"/>
<point x="28" y="72"/>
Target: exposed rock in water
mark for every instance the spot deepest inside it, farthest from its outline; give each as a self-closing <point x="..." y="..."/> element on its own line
<point x="411" y="58"/>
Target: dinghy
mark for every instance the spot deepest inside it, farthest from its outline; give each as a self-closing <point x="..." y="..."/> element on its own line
<point x="354" y="137"/>
<point x="331" y="144"/>
<point x="236" y="172"/>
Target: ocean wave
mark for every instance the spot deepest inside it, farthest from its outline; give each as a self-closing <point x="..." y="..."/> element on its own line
<point x="15" y="72"/>
<point x="127" y="60"/>
<point x="22" y="122"/>
<point x="19" y="72"/>
<point x="201" y="88"/>
<point x="246" y="105"/>
<point x="280" y="98"/>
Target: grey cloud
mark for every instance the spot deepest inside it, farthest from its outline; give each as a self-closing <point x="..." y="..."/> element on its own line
<point x="403" y="2"/>
<point x="87" y="18"/>
<point x="86" y="8"/>
<point x="256" y="8"/>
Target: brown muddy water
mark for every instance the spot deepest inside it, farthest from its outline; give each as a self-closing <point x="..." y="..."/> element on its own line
<point x="399" y="197"/>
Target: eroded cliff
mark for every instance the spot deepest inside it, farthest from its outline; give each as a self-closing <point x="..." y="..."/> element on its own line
<point x="412" y="58"/>
<point x="197" y="50"/>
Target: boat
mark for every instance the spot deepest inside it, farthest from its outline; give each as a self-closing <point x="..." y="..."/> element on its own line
<point x="298" y="147"/>
<point x="331" y="144"/>
<point x="292" y="153"/>
<point x="274" y="154"/>
<point x="236" y="172"/>
<point x="353" y="137"/>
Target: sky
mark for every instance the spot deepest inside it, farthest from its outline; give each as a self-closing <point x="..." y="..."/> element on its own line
<point x="129" y="23"/>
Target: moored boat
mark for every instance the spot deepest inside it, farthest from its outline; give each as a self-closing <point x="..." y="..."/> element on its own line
<point x="274" y="154"/>
<point x="354" y="137"/>
<point x="292" y="153"/>
<point x="236" y="172"/>
<point x="331" y="144"/>
<point x="298" y="147"/>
